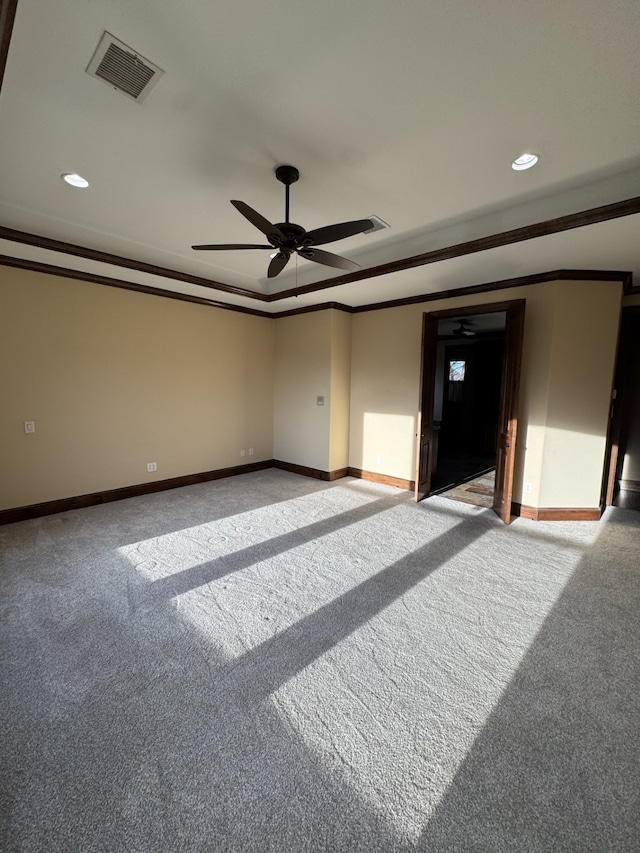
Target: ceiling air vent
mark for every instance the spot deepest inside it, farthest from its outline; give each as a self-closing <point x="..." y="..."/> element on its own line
<point x="121" y="67"/>
<point x="378" y="224"/>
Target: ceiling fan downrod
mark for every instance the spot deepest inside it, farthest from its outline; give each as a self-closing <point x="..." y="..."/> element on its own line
<point x="287" y="175"/>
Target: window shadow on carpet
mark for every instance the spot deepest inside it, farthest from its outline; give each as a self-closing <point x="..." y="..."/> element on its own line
<point x="556" y="767"/>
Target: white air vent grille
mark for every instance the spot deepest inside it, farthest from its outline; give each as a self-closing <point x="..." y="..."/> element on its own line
<point x="120" y="66"/>
<point x="378" y="224"/>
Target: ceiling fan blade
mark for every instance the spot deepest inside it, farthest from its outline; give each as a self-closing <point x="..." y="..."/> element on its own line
<point x="328" y="258"/>
<point x="330" y="233"/>
<point x="262" y="224"/>
<point x="231" y="246"/>
<point x="278" y="263"/>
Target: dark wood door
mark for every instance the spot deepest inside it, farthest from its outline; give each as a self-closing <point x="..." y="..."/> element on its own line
<point x="508" y="418"/>
<point x="623" y="438"/>
<point x="426" y="436"/>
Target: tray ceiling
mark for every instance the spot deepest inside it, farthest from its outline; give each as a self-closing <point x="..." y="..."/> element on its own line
<point x="410" y="112"/>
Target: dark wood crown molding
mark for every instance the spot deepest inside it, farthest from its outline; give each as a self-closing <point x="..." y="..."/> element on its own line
<point x="529" y="232"/>
<point x="126" y="263"/>
<point x="79" y="275"/>
<point x="309" y="309"/>
<point x="592" y="216"/>
<point x="505" y="284"/>
<point x="488" y="287"/>
<point x="517" y="235"/>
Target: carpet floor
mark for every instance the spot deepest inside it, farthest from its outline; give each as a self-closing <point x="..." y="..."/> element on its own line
<point x="272" y="663"/>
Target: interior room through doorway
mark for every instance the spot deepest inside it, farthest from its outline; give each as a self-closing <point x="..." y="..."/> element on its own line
<point x="470" y="354"/>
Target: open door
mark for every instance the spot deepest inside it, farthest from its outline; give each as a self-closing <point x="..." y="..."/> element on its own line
<point x="624" y="415"/>
<point x="508" y="419"/>
<point x="426" y="435"/>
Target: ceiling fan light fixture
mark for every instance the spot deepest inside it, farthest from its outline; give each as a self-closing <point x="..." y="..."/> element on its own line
<point x="75" y="180"/>
<point x="524" y="161"/>
<point x="463" y="330"/>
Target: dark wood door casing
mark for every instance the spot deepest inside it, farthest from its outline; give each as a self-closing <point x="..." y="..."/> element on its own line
<point x="508" y="422"/>
<point x="509" y="397"/>
<point x="426" y="435"/>
<point x="626" y="386"/>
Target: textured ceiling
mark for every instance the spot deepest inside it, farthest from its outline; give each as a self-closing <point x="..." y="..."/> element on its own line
<point x="411" y="111"/>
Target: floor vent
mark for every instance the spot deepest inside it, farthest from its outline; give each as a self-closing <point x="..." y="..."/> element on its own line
<point x="121" y="67"/>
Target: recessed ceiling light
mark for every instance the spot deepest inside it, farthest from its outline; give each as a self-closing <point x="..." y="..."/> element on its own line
<point x="524" y="161"/>
<point x="75" y="180"/>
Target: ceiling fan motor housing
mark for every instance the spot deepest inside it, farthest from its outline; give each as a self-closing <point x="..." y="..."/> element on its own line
<point x="294" y="236"/>
<point x="287" y="175"/>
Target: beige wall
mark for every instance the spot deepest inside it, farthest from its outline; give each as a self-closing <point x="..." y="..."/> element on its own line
<point x="116" y="379"/>
<point x="313" y="357"/>
<point x="582" y="365"/>
<point x="570" y="330"/>
<point x="302" y="374"/>
<point x="340" y="398"/>
<point x="385" y="375"/>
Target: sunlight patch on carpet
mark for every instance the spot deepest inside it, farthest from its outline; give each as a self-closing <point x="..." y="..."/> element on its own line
<point x="385" y="653"/>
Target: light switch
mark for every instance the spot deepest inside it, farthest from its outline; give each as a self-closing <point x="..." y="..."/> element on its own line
<point x="319" y="401"/>
<point x="29" y="426"/>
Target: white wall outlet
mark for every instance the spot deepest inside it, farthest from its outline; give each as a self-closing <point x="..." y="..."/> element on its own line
<point x="527" y="488"/>
<point x="29" y="426"/>
<point x="378" y="460"/>
<point x="151" y="467"/>
<point x="242" y="453"/>
<point x="319" y="400"/>
<point x="251" y="451"/>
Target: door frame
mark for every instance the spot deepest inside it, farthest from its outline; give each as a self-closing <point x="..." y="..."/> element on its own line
<point x="509" y="395"/>
<point x="619" y="407"/>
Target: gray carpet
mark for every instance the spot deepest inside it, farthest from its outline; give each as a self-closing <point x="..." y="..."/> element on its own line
<point x="271" y="663"/>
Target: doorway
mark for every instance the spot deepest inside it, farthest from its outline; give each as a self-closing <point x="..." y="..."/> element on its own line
<point x="622" y="481"/>
<point x="466" y="406"/>
<point x="477" y="429"/>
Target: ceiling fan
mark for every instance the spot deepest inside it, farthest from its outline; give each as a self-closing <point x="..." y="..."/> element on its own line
<point x="287" y="237"/>
<point x="463" y="330"/>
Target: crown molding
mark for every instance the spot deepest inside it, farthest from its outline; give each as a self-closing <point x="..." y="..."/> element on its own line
<point x="126" y="263"/>
<point x="624" y="277"/>
<point x="604" y="213"/>
<point x="522" y="281"/>
<point x="80" y="275"/>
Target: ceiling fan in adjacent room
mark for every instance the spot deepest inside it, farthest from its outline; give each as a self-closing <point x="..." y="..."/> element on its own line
<point x="286" y="237"/>
<point x="463" y="330"/>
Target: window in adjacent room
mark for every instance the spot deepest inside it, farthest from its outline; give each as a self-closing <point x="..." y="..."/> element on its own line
<point x="457" y="371"/>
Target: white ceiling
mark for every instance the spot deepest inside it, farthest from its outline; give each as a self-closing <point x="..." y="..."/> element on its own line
<point x="411" y="111"/>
